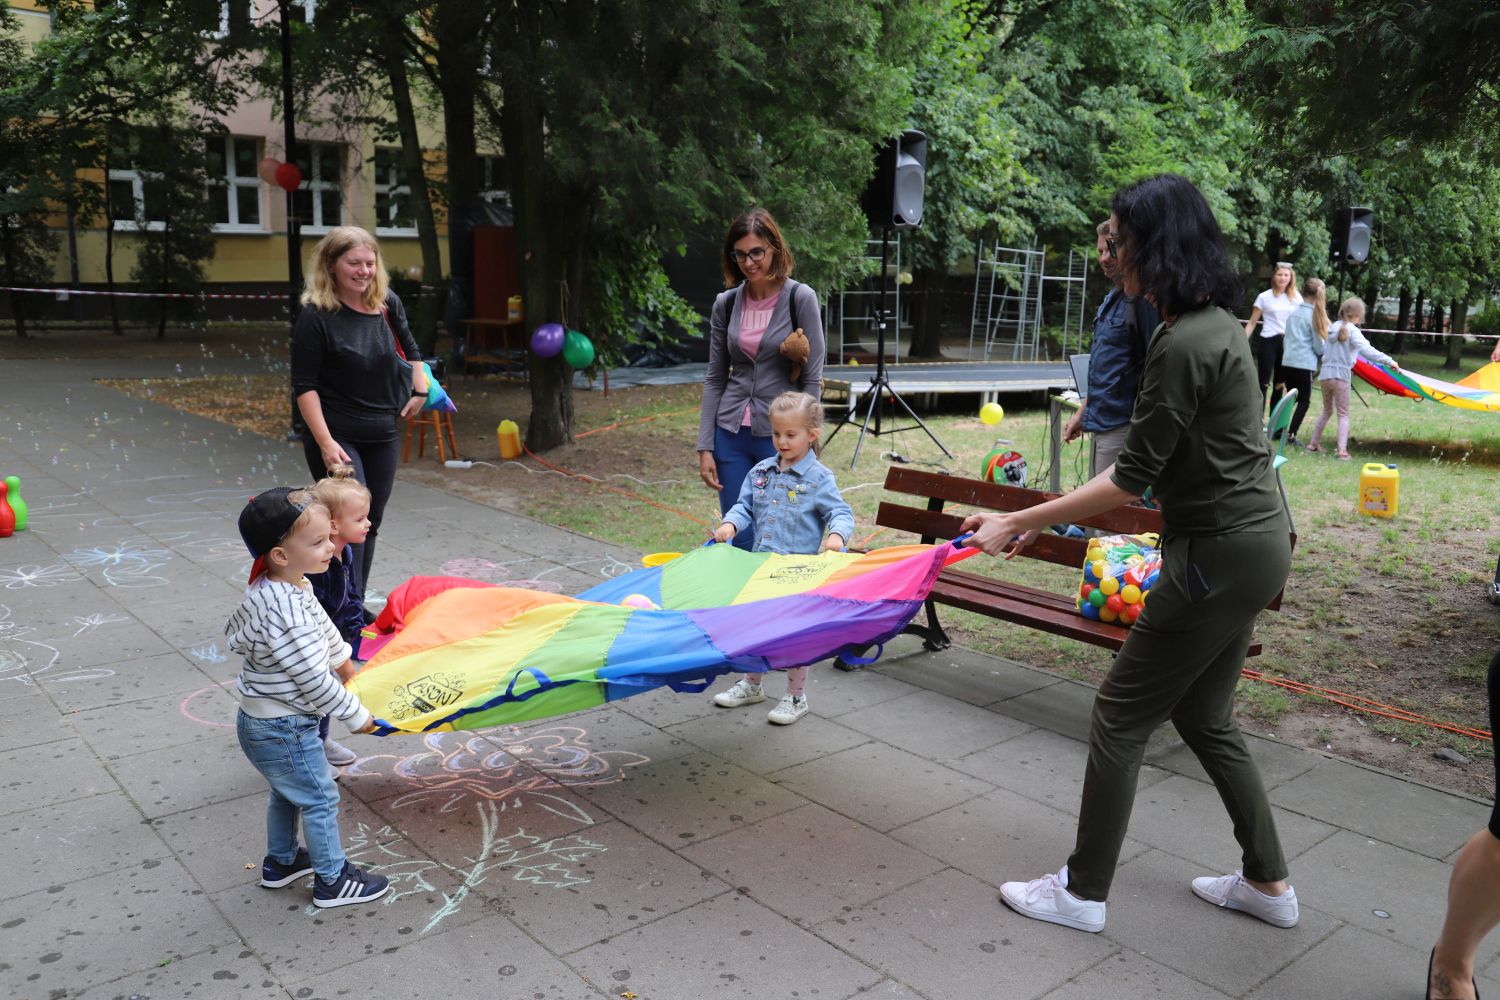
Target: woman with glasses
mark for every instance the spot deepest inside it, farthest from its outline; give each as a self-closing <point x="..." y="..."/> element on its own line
<point x="1195" y="438"/>
<point x="765" y="338"/>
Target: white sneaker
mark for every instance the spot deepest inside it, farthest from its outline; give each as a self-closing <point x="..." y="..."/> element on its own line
<point x="1234" y="893"/>
<point x="1047" y="898"/>
<point x="1494" y="592"/>
<point x="743" y="693"/>
<point x="338" y="755"/>
<point x="791" y="708"/>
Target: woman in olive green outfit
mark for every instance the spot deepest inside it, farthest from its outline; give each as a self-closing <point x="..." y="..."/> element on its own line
<point x="1196" y="440"/>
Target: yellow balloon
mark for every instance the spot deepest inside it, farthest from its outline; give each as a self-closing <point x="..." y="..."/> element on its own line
<point x="991" y="413"/>
<point x="853" y="362"/>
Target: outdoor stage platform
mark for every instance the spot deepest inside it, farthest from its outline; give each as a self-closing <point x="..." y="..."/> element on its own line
<point x="988" y="379"/>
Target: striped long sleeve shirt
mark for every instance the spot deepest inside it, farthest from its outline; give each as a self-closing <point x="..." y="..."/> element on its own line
<point x="290" y="646"/>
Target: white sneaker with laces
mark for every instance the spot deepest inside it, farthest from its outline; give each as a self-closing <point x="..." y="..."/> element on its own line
<point x="1233" y="893"/>
<point x="1047" y="898"/>
<point x="338" y="755"/>
<point x="743" y="693"/>
<point x="791" y="708"/>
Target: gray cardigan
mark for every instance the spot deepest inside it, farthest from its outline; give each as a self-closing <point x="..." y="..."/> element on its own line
<point x="733" y="379"/>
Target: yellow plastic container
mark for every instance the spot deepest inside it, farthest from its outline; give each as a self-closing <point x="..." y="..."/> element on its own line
<point x="1379" y="489"/>
<point x="658" y="558"/>
<point x="510" y="439"/>
<point x="513" y="308"/>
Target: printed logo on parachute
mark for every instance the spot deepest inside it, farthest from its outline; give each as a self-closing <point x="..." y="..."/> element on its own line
<point x="425" y="694"/>
<point x="795" y="571"/>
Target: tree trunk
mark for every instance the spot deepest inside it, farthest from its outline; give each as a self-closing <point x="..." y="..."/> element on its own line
<point x="458" y="29"/>
<point x="10" y="250"/>
<point x="166" y="263"/>
<point x="927" y="313"/>
<point x="1419" y="315"/>
<point x="1436" y="342"/>
<point x="1403" y="315"/>
<point x="1460" y="314"/>
<point x="428" y="307"/>
<point x="109" y="245"/>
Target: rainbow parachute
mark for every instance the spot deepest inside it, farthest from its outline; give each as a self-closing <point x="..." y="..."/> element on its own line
<point x="460" y="654"/>
<point x="1477" y="392"/>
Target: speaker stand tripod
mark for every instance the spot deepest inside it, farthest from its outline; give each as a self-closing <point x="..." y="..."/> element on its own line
<point x="880" y="384"/>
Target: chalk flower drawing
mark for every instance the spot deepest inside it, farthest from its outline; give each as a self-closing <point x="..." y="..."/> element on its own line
<point x="37" y="576"/>
<point x="131" y="563"/>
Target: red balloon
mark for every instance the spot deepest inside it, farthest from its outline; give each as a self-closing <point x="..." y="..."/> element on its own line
<point x="288" y="177"/>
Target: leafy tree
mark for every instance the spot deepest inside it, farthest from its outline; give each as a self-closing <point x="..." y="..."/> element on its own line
<point x="27" y="247"/>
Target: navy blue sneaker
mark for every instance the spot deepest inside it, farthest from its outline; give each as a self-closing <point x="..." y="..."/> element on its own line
<point x="274" y="874"/>
<point x="354" y="885"/>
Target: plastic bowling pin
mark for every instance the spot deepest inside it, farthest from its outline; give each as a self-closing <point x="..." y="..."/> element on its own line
<point x="7" y="516"/>
<point x="17" y="502"/>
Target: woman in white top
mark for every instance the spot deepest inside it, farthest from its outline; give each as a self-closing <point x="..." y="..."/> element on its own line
<point x="1272" y="307"/>
<point x="1345" y="344"/>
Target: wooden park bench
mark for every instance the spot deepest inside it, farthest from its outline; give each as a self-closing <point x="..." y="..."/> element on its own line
<point x="1039" y="609"/>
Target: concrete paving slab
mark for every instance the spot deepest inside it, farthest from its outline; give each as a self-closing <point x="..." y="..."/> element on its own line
<point x="1153" y="911"/>
<point x="300" y="941"/>
<point x="690" y="798"/>
<point x="728" y="944"/>
<point x="221" y="845"/>
<point x="537" y="878"/>
<point x="1187" y="818"/>
<point x="68" y="937"/>
<point x="488" y="958"/>
<point x="999" y="837"/>
<point x="934" y="725"/>
<point x="1351" y="963"/>
<point x="880" y="785"/>
<point x="231" y="971"/>
<point x="1384" y="807"/>
<point x="1064" y="707"/>
<point x="1131" y="976"/>
<point x="832" y="693"/>
<point x="963" y="674"/>
<point x="665" y="708"/>
<point x="949" y="936"/>
<point x="29" y="718"/>
<point x="1278" y="762"/>
<point x="103" y="637"/>
<point x="188" y="776"/>
<point x="73" y="840"/>
<point x="608" y="737"/>
<point x="780" y="863"/>
<point x="1041" y="765"/>
<point x="48" y="773"/>
<point x="744" y="736"/>
<point x="203" y="713"/>
<point x="168" y="677"/>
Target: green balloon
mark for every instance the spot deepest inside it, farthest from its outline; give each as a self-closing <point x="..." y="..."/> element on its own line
<point x="578" y="350"/>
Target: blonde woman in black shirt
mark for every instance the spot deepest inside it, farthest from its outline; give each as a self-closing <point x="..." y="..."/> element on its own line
<point x="348" y="379"/>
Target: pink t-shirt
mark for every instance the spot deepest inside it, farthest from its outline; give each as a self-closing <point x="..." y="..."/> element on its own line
<point x="755" y="316"/>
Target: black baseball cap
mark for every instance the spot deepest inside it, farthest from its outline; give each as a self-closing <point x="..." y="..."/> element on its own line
<point x="266" y="520"/>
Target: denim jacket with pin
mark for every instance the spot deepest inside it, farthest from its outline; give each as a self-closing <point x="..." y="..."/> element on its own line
<point x="794" y="509"/>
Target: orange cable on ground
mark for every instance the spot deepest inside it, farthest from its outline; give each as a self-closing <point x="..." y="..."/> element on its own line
<point x="627" y="423"/>
<point x="1369" y="706"/>
<point x="616" y="489"/>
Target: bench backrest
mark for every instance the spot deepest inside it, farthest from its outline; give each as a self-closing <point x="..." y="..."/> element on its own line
<point x="933" y="522"/>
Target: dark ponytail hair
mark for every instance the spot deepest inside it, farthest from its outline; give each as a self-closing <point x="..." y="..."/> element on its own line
<point x="1173" y="245"/>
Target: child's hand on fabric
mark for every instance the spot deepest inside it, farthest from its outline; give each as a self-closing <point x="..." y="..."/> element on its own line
<point x="834" y="543"/>
<point x="347" y="670"/>
<point x="724" y="532"/>
<point x="368" y="727"/>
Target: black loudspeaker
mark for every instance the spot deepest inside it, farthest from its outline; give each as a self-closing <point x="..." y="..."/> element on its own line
<point x="1351" y="235"/>
<point x="894" y="197"/>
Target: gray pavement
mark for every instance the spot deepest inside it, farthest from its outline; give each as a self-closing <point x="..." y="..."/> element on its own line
<point x="656" y="848"/>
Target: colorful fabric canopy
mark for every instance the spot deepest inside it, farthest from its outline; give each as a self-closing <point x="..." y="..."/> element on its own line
<point x="461" y="654"/>
<point x="1400" y="382"/>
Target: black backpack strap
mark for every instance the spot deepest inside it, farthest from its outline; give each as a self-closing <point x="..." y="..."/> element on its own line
<point x="792" y="287"/>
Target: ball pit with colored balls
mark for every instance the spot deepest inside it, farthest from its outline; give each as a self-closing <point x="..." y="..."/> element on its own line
<point x="547" y="340"/>
<point x="1117" y="577"/>
<point x="991" y="414"/>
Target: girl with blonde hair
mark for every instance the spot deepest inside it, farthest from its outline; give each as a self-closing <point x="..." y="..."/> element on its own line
<point x="349" y="379"/>
<point x="1306" y="329"/>
<point x="1343" y="344"/>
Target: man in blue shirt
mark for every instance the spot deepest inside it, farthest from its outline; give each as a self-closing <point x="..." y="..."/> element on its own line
<point x="1122" y="331"/>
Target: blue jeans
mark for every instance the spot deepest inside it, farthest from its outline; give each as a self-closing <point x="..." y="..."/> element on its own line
<point x="735" y="455"/>
<point x="289" y="754"/>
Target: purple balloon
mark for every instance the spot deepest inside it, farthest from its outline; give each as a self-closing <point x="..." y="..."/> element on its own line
<point x="547" y="339"/>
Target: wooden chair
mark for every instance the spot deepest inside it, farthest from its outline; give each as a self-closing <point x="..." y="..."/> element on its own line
<point x="440" y="423"/>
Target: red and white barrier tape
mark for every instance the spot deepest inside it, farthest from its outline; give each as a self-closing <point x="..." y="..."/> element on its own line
<point x="262" y="296"/>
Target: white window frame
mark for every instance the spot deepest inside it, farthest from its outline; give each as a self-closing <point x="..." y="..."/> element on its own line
<point x="488" y="191"/>
<point x="224" y="187"/>
<point x="137" y="179"/>
<point x="315" y="185"/>
<point x="224" y="18"/>
<point x="383" y="186"/>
